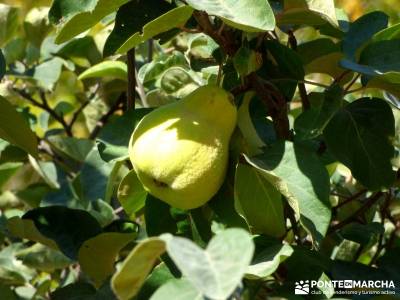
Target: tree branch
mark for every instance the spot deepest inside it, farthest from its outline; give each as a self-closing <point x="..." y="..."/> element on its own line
<point x="372" y="200"/>
<point x="103" y="120"/>
<point x="130" y="93"/>
<point x="46" y="107"/>
<point x="302" y="87"/>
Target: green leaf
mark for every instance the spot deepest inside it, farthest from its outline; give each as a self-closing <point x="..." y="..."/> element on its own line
<point x="131" y="194"/>
<point x="218" y="270"/>
<point x="259" y="202"/>
<point x="114" y="138"/>
<point x="127" y="281"/>
<point x="267" y="261"/>
<point x="14" y="128"/>
<point x="362" y="30"/>
<point x="389" y="82"/>
<point x="178" y="82"/>
<point x="74" y="148"/>
<point x="300" y="176"/>
<point x="158" y="277"/>
<point x="75" y="17"/>
<point x="97" y="255"/>
<point x="391" y="33"/>
<point x="247" y="15"/>
<point x="365" y="235"/>
<point x="321" y="56"/>
<point x="75" y="291"/>
<point x="382" y="56"/>
<point x="9" y="22"/>
<point x="33" y="194"/>
<point x="7" y="170"/>
<point x="110" y="69"/>
<point x="138" y="21"/>
<point x="47" y="170"/>
<point x="48" y="73"/>
<point x="95" y="177"/>
<point x="308" y="12"/>
<point x="246" y="61"/>
<point x="37" y="25"/>
<point x="286" y="59"/>
<point x="363" y="69"/>
<point x="3" y="65"/>
<point x="154" y="69"/>
<point x="358" y="136"/>
<point x="7" y="293"/>
<point x="182" y="289"/>
<point x="12" y="271"/>
<point x="158" y="217"/>
<point x="43" y="258"/>
<point x="253" y="141"/>
<point x="26" y="229"/>
<point x="312" y="122"/>
<point x="69" y="228"/>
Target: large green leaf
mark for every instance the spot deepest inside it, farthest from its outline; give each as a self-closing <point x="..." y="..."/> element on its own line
<point x="287" y="60"/>
<point x="158" y="277"/>
<point x="37" y="25"/>
<point x="359" y="137"/>
<point x="108" y="69"/>
<point x="247" y="15"/>
<point x="15" y="129"/>
<point x="182" y="289"/>
<point x="75" y="17"/>
<point x="362" y="30"/>
<point x="44" y="258"/>
<point x="312" y="122"/>
<point x="308" y="12"/>
<point x="267" y="261"/>
<point x="252" y="140"/>
<point x="259" y="202"/>
<point x="96" y="177"/>
<point x="154" y="69"/>
<point x="97" y="255"/>
<point x="217" y="270"/>
<point x="390" y="33"/>
<point x="9" y="22"/>
<point x="300" y="176"/>
<point x="7" y="170"/>
<point x="138" y="21"/>
<point x="70" y="147"/>
<point x="131" y="194"/>
<point x="114" y="138"/>
<point x="382" y="56"/>
<point x="69" y="228"/>
<point x="389" y="82"/>
<point x="128" y="280"/>
<point x="12" y="271"/>
<point x="26" y="229"/>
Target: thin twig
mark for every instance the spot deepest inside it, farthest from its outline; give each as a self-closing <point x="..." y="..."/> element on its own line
<point x="351" y="198"/>
<point x="352" y="83"/>
<point x="46" y="107"/>
<point x="103" y="120"/>
<point x="150" y="50"/>
<point x="374" y="198"/>
<point x="83" y="106"/>
<point x="356" y="90"/>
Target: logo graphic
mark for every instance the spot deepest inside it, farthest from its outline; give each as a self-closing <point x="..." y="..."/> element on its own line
<point x="302" y="287"/>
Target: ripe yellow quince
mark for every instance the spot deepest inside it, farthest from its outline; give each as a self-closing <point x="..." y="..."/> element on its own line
<point x="180" y="151"/>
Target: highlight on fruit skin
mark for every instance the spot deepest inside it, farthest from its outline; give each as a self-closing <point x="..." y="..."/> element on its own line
<point x="180" y="151"/>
